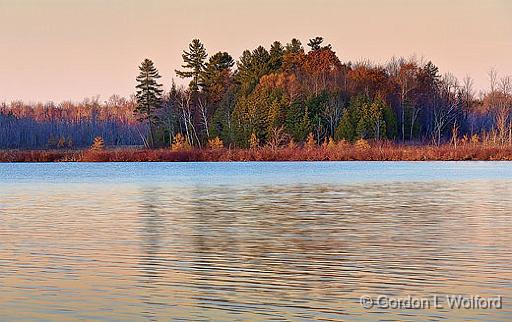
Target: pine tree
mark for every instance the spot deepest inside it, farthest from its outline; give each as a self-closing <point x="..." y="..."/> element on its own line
<point x="276" y="55"/>
<point x="170" y="117"/>
<point x="218" y="62"/>
<point x="194" y="63"/>
<point x="149" y="96"/>
<point x="216" y="74"/>
<point x="294" y="47"/>
<point x="251" y="67"/>
<point x="315" y="43"/>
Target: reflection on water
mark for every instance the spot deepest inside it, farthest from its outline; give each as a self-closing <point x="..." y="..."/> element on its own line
<point x="187" y="248"/>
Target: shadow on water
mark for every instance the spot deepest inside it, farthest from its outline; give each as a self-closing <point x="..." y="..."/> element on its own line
<point x="153" y="230"/>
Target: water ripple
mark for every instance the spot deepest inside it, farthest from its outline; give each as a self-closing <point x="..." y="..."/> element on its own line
<point x="279" y="249"/>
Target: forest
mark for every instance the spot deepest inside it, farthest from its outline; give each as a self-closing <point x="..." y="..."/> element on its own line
<point x="286" y="96"/>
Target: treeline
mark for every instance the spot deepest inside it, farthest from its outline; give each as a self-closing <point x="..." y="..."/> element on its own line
<point x="285" y="95"/>
<point x="69" y="125"/>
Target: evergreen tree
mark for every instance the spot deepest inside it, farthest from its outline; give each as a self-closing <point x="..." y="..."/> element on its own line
<point x="251" y="67"/>
<point x="222" y="124"/>
<point x="276" y="55"/>
<point x="431" y="74"/>
<point x="216" y="75"/>
<point x="367" y="119"/>
<point x="294" y="47"/>
<point x="194" y="63"/>
<point x="297" y="122"/>
<point x="169" y="119"/>
<point x="219" y="61"/>
<point x="258" y="113"/>
<point x="149" y="96"/>
<point x="315" y="43"/>
<point x="347" y="129"/>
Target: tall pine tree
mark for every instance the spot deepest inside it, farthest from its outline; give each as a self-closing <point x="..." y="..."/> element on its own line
<point x="276" y="55"/>
<point x="194" y="61"/>
<point x="216" y="76"/>
<point x="149" y="97"/>
<point x="294" y="47"/>
<point x="316" y="44"/>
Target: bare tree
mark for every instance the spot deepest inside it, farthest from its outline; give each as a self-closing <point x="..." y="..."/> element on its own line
<point x="203" y="110"/>
<point x="186" y="106"/>
<point x="502" y="101"/>
<point x="468" y="96"/>
<point x="278" y="137"/>
<point x="333" y="112"/>
<point x="446" y="109"/>
<point x="407" y="82"/>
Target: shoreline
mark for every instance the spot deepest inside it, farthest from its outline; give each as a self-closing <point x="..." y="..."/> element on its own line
<point x="379" y="152"/>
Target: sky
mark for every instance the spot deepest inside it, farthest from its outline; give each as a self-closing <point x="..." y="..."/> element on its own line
<point x="55" y="50"/>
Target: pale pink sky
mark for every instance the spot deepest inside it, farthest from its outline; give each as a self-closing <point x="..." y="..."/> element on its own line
<point x="71" y="49"/>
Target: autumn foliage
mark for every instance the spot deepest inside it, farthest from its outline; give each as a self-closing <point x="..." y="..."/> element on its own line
<point x="272" y="98"/>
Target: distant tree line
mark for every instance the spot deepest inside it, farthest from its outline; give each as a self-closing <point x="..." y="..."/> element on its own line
<point x="278" y="96"/>
<point x="69" y="125"/>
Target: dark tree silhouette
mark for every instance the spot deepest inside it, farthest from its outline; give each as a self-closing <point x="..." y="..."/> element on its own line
<point x="194" y="61"/>
<point x="149" y="97"/>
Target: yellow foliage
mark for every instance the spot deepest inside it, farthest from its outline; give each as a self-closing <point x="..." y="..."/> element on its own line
<point x="215" y="143"/>
<point x="61" y="143"/>
<point x="342" y="144"/>
<point x="292" y="145"/>
<point x="180" y="143"/>
<point x="324" y="143"/>
<point x="475" y="139"/>
<point x="310" y="141"/>
<point x="464" y="140"/>
<point x="362" y="144"/>
<point x="253" y="141"/>
<point x="331" y="144"/>
<point x="98" y="144"/>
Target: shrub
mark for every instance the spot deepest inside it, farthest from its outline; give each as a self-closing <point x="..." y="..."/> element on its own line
<point x="362" y="144"/>
<point x="310" y="141"/>
<point x="475" y="139"/>
<point x="180" y="143"/>
<point x="331" y="144"/>
<point x="215" y="143"/>
<point x="253" y="141"/>
<point x="342" y="144"/>
<point x="292" y="145"/>
<point x="98" y="144"/>
<point x="61" y="143"/>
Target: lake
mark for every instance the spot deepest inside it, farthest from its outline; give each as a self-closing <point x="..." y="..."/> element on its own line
<point x="253" y="241"/>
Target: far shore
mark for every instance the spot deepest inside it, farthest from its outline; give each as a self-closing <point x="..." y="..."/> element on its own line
<point x="348" y="152"/>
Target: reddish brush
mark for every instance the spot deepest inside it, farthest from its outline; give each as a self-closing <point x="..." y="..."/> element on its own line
<point x="377" y="151"/>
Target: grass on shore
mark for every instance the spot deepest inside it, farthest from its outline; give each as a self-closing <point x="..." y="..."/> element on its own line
<point x="379" y="151"/>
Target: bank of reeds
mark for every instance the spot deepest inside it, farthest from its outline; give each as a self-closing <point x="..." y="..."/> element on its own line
<point x="342" y="151"/>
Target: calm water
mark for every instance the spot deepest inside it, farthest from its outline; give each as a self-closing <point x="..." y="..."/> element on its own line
<point x="251" y="241"/>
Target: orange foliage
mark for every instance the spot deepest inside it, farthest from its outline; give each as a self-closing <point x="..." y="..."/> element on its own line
<point x="368" y="80"/>
<point x="322" y="68"/>
<point x="285" y="81"/>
